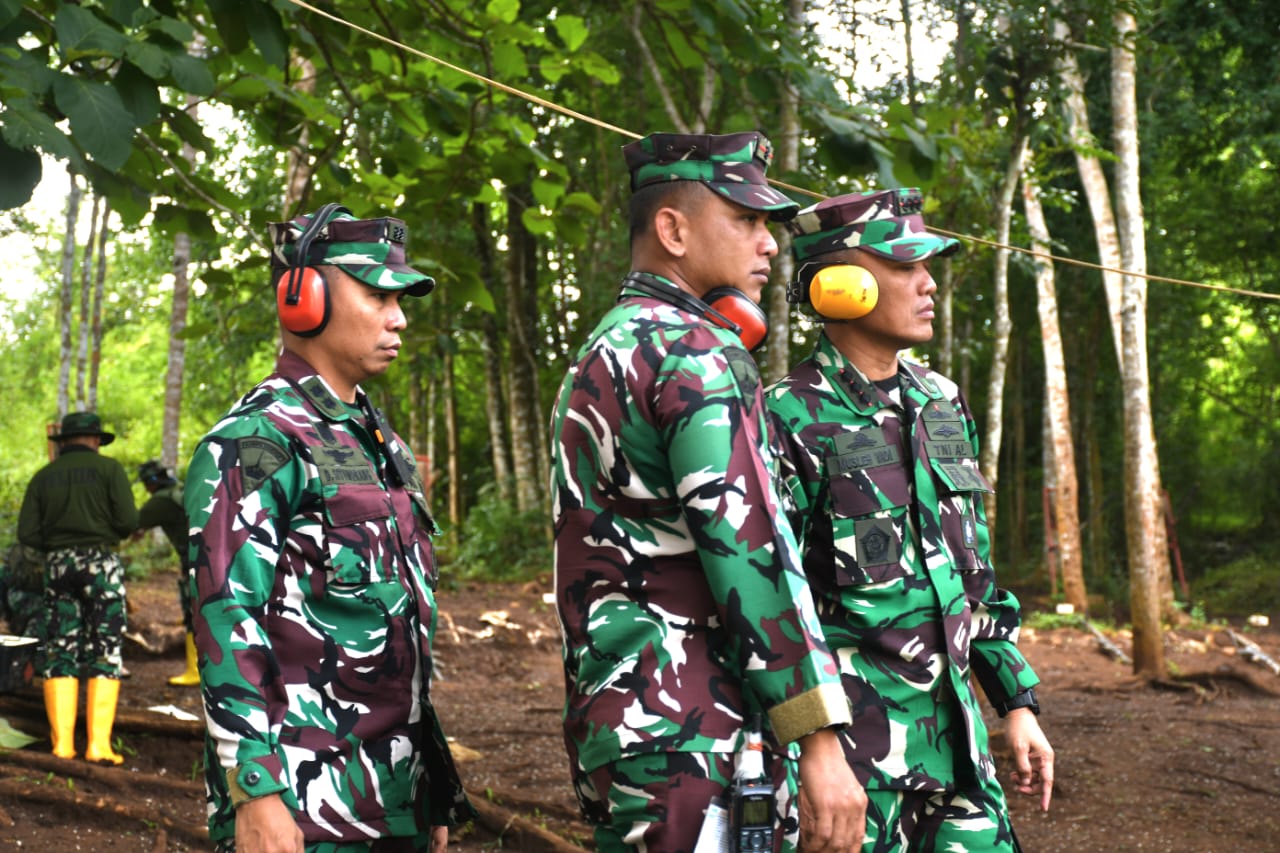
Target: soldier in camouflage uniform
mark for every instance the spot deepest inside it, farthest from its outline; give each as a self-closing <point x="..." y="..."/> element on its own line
<point x="678" y="586"/>
<point x="76" y="510"/>
<point x="880" y="460"/>
<point x="164" y="509"/>
<point x="315" y="577"/>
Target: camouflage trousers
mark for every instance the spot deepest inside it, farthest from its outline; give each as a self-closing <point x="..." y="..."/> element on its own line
<point x="85" y="608"/>
<point x="656" y="803"/>
<point x="972" y="821"/>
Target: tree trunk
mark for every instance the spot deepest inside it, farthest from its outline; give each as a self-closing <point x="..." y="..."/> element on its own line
<point x="86" y="288"/>
<point x="787" y="145"/>
<point x="944" y="276"/>
<point x="491" y="349"/>
<point x="1002" y="326"/>
<point x="1092" y="178"/>
<point x="526" y="419"/>
<point x="450" y="390"/>
<point x="65" y="294"/>
<point x="1058" y="408"/>
<point x="95" y="314"/>
<point x="177" y="351"/>
<point x="1148" y="558"/>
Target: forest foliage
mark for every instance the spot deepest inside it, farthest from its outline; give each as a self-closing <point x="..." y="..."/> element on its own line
<point x="519" y="212"/>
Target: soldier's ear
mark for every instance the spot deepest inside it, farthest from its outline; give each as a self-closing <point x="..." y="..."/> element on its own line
<point x="671" y="227"/>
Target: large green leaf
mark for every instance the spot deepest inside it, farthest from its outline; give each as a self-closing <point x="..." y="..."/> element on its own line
<point x="22" y="173"/>
<point x="229" y="19"/>
<point x="151" y="59"/>
<point x="267" y="30"/>
<point x="100" y="124"/>
<point x="139" y="94"/>
<point x="191" y="74"/>
<point x="25" y="72"/>
<point x="25" y="125"/>
<point x="503" y="10"/>
<point x="572" y="31"/>
<point x="9" y="10"/>
<point x="82" y="33"/>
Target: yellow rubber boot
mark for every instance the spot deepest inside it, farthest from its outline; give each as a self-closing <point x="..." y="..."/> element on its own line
<point x="190" y="678"/>
<point x="100" y="717"/>
<point x="61" y="695"/>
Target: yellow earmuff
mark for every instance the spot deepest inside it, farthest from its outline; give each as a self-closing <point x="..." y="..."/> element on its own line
<point x="843" y="292"/>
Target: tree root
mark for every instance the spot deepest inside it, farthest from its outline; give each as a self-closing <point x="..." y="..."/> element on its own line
<point x="14" y="789"/>
<point x="518" y="832"/>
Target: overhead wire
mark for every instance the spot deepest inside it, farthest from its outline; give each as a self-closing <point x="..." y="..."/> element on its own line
<point x="563" y="110"/>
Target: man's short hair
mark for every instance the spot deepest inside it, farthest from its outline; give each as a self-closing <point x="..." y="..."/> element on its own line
<point x="647" y="201"/>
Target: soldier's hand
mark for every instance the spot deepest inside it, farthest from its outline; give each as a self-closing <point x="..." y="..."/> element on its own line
<point x="264" y="825"/>
<point x="439" y="839"/>
<point x="1032" y="755"/>
<point x="833" y="806"/>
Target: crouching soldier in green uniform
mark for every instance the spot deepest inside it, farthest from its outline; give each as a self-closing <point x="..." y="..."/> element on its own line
<point x="164" y="509"/>
<point x="881" y="461"/>
<point x="315" y="574"/>
<point x="77" y="509"/>
<point x="678" y="585"/>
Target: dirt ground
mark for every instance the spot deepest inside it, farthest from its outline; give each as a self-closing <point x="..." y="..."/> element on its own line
<point x="1192" y="765"/>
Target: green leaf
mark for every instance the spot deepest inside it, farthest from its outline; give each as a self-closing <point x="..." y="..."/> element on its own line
<point x="191" y="74"/>
<point x="82" y="33"/>
<point x="22" y="173"/>
<point x="25" y="125"/>
<point x="508" y="62"/>
<point x="503" y="10"/>
<point x="139" y="94"/>
<point x="547" y="193"/>
<point x="552" y="68"/>
<point x="230" y="23"/>
<point x="99" y="121"/>
<point x="267" y="31"/>
<point x="26" y="73"/>
<point x="151" y="59"/>
<point x="123" y="11"/>
<point x="188" y="130"/>
<point x="9" y="11"/>
<point x="582" y="201"/>
<point x="536" y="222"/>
<point x="600" y="68"/>
<point x="572" y="31"/>
<point x="11" y="738"/>
<point x="179" y="31"/>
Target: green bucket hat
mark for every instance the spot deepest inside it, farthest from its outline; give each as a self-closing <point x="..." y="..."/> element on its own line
<point x="370" y="250"/>
<point x="887" y="223"/>
<point x="82" y="423"/>
<point x="731" y="164"/>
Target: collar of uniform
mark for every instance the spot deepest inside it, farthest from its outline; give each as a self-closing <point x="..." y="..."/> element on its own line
<point x="304" y="377"/>
<point x="865" y="397"/>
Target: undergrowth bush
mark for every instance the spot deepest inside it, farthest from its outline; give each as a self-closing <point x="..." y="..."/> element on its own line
<point x="1250" y="584"/>
<point x="500" y="543"/>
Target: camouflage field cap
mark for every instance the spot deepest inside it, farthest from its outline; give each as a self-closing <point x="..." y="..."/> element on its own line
<point x="82" y="423"/>
<point x="371" y="250"/>
<point x="732" y="164"/>
<point x="887" y="223"/>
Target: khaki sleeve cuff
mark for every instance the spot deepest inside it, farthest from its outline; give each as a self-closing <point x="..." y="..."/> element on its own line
<point x="823" y="706"/>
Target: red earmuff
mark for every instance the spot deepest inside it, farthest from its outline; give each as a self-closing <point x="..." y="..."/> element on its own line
<point x="302" y="300"/>
<point x="742" y="311"/>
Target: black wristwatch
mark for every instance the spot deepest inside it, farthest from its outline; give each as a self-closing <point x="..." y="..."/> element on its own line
<point x="1025" y="699"/>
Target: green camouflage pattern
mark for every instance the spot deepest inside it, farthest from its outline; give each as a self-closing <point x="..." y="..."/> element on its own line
<point x="314" y="616"/>
<point x="887" y="503"/>
<point x="82" y="423"/>
<point x="164" y="509"/>
<point x="974" y="822"/>
<point x="22" y="594"/>
<point x="678" y="585"/>
<point x="371" y="250"/>
<point x="84" y="603"/>
<point x="657" y="802"/>
<point x="887" y="223"/>
<point x="732" y="164"/>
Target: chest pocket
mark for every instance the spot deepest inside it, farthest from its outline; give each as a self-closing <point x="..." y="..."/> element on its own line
<point x="869" y="495"/>
<point x="359" y="539"/>
<point x="960" y="485"/>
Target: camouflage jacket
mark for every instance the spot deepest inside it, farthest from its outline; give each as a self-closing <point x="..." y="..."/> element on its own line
<point x="82" y="499"/>
<point x="314" y="614"/>
<point x="888" y="508"/>
<point x="678" y="583"/>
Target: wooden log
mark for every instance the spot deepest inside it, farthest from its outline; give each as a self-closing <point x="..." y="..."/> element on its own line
<point x="127" y="719"/>
<point x="120" y="777"/>
<point x="516" y="832"/>
<point x="13" y="789"/>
